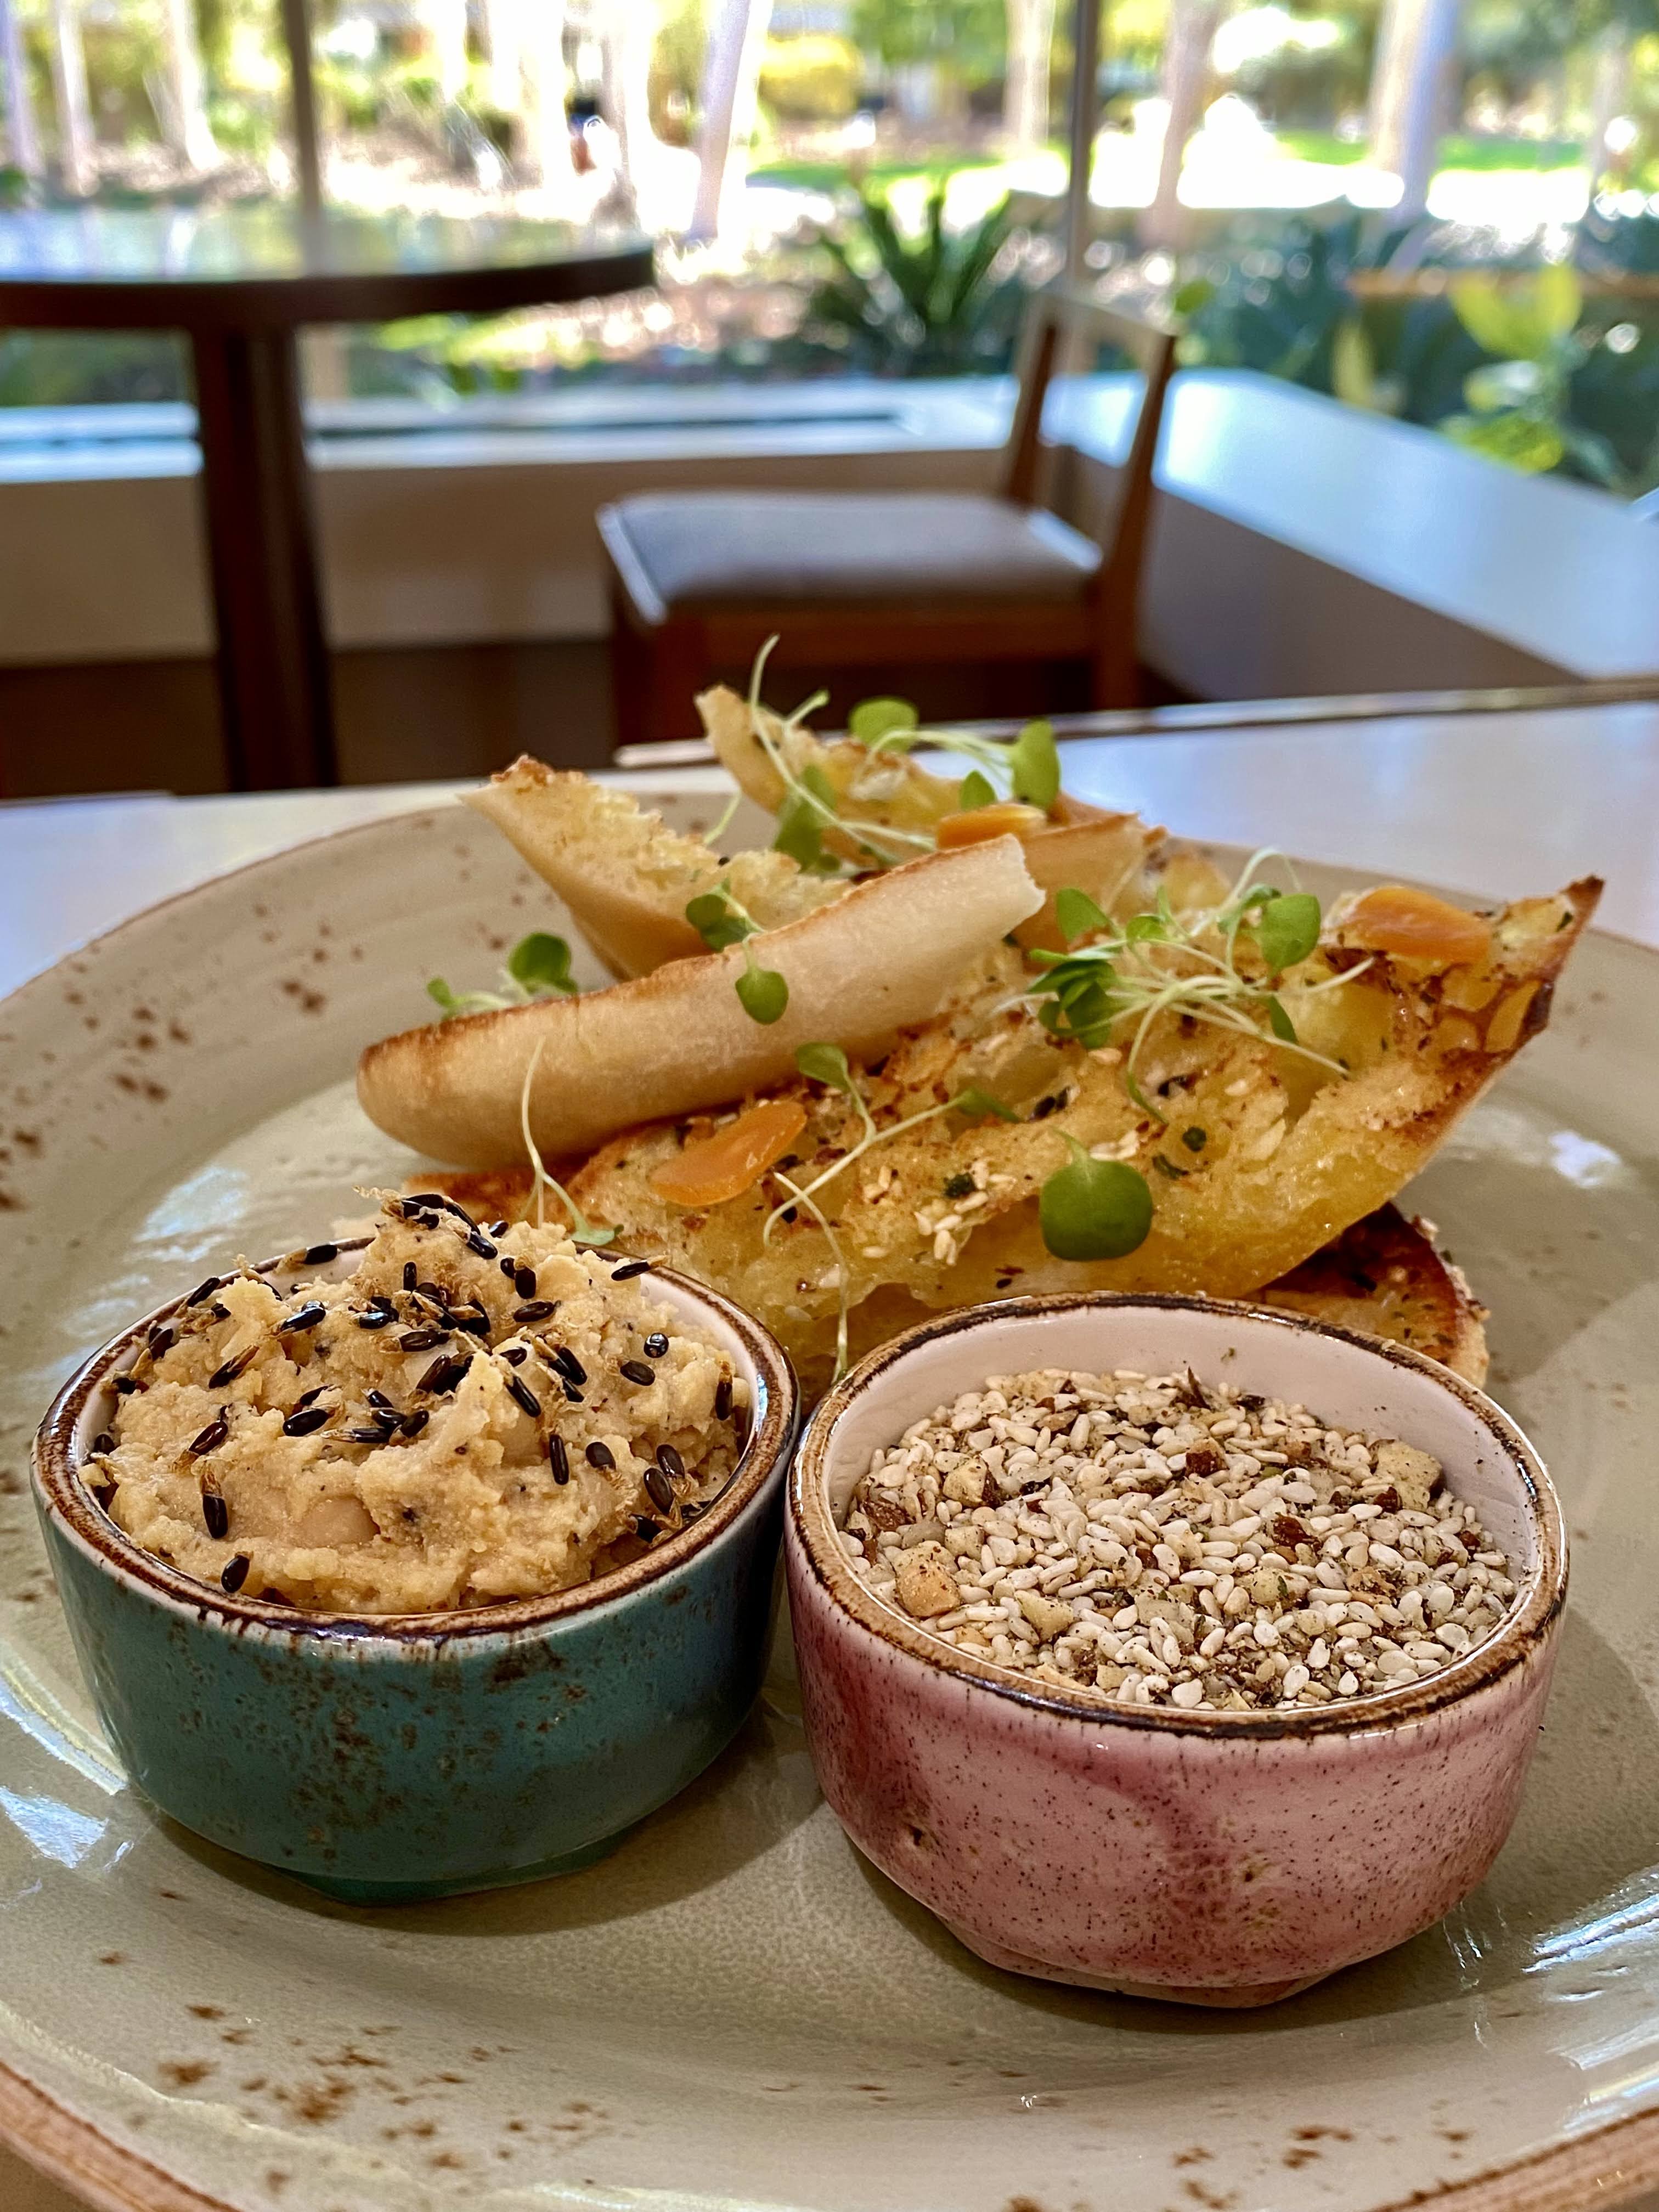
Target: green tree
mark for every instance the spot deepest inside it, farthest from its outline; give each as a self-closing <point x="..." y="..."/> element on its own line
<point x="969" y="37"/>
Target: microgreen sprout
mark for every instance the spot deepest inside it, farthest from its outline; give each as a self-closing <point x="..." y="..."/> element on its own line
<point x="762" y="994"/>
<point x="1158" y="963"/>
<point x="874" y="719"/>
<point x="797" y="1196"/>
<point x="1094" y="1209"/>
<point x="716" y="831"/>
<point x="977" y="791"/>
<point x="719" y="920"/>
<point x="582" y="1230"/>
<point x="538" y="967"/>
<point x="810" y="805"/>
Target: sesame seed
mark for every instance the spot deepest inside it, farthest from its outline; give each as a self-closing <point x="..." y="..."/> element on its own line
<point x="213" y="1436"/>
<point x="656" y="1345"/>
<point x="659" y="1490"/>
<point x="203" y="1291"/>
<point x="444" y="1374"/>
<point x="423" y="1340"/>
<point x="234" y="1573"/>
<point x="636" y="1371"/>
<point x="671" y="1462"/>
<point x="319" y="1255"/>
<point x="103" y="1442"/>
<point x="411" y="1275"/>
<point x="221" y="1377"/>
<point x="524" y="1280"/>
<point x="304" y="1317"/>
<point x="568" y="1363"/>
<point x="305" y="1423"/>
<point x="538" y="1309"/>
<point x="215" y="1515"/>
<point x="412" y="1424"/>
<point x="629" y="1269"/>
<point x="600" y="1456"/>
<point x="723" y="1398"/>
<point x="559" y="1458"/>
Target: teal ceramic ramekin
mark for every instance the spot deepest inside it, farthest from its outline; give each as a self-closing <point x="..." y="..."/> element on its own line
<point x="404" y="1756"/>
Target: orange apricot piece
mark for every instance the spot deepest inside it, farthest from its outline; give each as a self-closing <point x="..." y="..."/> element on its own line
<point x="1008" y="817"/>
<point x="735" y="1158"/>
<point x="1416" y="925"/>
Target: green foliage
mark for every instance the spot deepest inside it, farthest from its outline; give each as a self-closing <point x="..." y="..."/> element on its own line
<point x="931" y="303"/>
<point x="1520" y="405"/>
<point x="814" y="77"/>
<point x="970" y="37"/>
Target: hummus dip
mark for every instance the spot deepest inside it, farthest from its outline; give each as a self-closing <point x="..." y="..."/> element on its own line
<point x="466" y="1418"/>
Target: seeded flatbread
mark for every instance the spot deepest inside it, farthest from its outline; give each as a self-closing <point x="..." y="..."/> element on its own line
<point x="878" y="960"/>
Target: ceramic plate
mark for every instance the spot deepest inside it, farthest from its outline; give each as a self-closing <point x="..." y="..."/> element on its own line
<point x="734" y="2009"/>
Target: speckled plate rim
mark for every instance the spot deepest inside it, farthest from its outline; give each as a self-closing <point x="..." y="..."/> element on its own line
<point x="61" y="1493"/>
<point x="1611" y="2164"/>
<point x="1513" y="1643"/>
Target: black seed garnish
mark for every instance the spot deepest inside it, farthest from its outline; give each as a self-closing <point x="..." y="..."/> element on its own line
<point x="659" y="1490"/>
<point x="213" y="1436"/>
<point x="522" y="1395"/>
<point x="790" y="1214"/>
<point x="671" y="1462"/>
<point x="412" y="1424"/>
<point x="311" y="1396"/>
<point x="443" y="1375"/>
<point x="103" y="1442"/>
<point x="435" y="1291"/>
<point x="1045" y="1107"/>
<point x="422" y="1340"/>
<point x="233" y="1574"/>
<point x="637" y="1371"/>
<point x="499" y="1227"/>
<point x="693" y="1512"/>
<point x="524" y="1281"/>
<point x="538" y="1309"/>
<point x="203" y="1291"/>
<point x="723" y="1398"/>
<point x="573" y="1395"/>
<point x="473" y="1324"/>
<point x="368" y="1435"/>
<point x="644" y="1529"/>
<point x="161" y="1341"/>
<point x="218" y="1313"/>
<point x="410" y="1273"/>
<point x="508" y="1266"/>
<point x="514" y="1354"/>
<point x="420" y="1198"/>
<point x="655" y="1344"/>
<point x="479" y="1242"/>
<point x="307" y="1317"/>
<point x="568" y="1365"/>
<point x="305" y="1421"/>
<point x="215" y="1515"/>
<point x="600" y="1455"/>
<point x="104" y="1492"/>
<point x="126" y="1384"/>
<point x="559" y="1459"/>
<point x="222" y="1378"/>
<point x="376" y="1318"/>
<point x="319" y="1255"/>
<point x="629" y="1269"/>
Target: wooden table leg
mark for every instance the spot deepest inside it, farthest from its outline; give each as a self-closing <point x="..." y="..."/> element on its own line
<point x="273" y="659"/>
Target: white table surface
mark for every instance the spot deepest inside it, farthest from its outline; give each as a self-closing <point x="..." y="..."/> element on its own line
<point x="1496" y="803"/>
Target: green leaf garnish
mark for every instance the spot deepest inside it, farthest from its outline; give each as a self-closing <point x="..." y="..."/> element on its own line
<point x="1149" y="929"/>
<point x="1142" y="1100"/>
<point x="1094" y="1209"/>
<point x="1035" y="761"/>
<point x="439" y="990"/>
<point x="1286" y="928"/>
<point x="872" y="720"/>
<point x="800" y="825"/>
<point x="981" y="1105"/>
<point x="719" y="920"/>
<point x="1077" y="914"/>
<point x="1279" y="1022"/>
<point x="825" y="1064"/>
<point x="541" y="963"/>
<point x="975" y="790"/>
<point x="762" y="994"/>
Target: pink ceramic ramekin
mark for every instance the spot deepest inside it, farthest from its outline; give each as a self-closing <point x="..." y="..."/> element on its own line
<point x="1213" y="1858"/>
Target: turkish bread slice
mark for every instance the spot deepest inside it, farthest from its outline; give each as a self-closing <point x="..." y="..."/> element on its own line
<point x="625" y="876"/>
<point x="880" y="959"/>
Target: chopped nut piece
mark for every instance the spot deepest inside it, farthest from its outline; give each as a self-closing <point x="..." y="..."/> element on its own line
<point x="925" y="1584"/>
<point x="1413" y="1473"/>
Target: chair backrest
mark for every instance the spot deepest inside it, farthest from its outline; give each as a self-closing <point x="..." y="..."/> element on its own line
<point x="1058" y="319"/>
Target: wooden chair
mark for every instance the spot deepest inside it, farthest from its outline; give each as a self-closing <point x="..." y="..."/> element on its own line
<point x="699" y="581"/>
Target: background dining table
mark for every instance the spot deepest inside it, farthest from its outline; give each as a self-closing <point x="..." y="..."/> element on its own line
<point x="240" y="283"/>
<point x="1492" y="803"/>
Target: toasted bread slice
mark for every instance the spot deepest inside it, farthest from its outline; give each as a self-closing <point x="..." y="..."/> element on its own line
<point x="880" y="958"/>
<point x="624" y="875"/>
<point x="1261" y="1159"/>
<point x="1384" y="1276"/>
